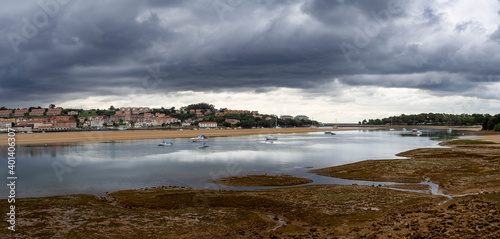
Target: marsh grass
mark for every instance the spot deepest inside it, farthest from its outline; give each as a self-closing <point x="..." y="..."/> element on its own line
<point x="262" y="180"/>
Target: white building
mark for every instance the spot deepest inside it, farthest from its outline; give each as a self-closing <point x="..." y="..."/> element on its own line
<point x="97" y="123"/>
<point x="5" y="124"/>
<point x="207" y="124"/>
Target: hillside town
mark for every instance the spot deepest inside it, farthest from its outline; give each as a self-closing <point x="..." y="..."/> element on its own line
<point x="194" y="116"/>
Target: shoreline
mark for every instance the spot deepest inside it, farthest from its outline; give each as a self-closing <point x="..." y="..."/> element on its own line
<point x="96" y="136"/>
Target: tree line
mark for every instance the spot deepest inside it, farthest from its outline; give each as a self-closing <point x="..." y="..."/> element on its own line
<point x="488" y="121"/>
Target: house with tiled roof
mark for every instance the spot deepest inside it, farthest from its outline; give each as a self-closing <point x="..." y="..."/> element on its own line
<point x="6" y="123"/>
<point x="34" y="123"/>
<point x="232" y="121"/>
<point x="37" y="112"/>
<point x="5" y="113"/>
<point x="21" y="120"/>
<point x="55" y="111"/>
<point x="24" y="110"/>
<point x="55" y="119"/>
<point x="71" y="124"/>
<point x="19" y="114"/>
<point x="97" y="120"/>
<point x="161" y="120"/>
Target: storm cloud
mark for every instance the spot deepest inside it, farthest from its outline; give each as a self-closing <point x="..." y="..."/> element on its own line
<point x="65" y="50"/>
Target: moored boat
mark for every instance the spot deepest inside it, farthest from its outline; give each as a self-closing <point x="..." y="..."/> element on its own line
<point x="165" y="143"/>
<point x="271" y="137"/>
<point x="200" y="138"/>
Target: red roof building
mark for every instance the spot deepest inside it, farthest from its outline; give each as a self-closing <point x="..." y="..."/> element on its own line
<point x="55" y="119"/>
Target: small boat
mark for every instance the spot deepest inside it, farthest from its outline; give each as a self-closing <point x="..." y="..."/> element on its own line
<point x="165" y="143"/>
<point x="200" y="138"/>
<point x="328" y="132"/>
<point x="271" y="137"/>
<point x="392" y="129"/>
<point x="418" y="133"/>
<point x="414" y="130"/>
<point x="404" y="129"/>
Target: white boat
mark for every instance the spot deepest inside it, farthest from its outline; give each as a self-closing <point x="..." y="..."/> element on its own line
<point x="200" y="138"/>
<point x="404" y="129"/>
<point x="165" y="143"/>
<point x="391" y="129"/>
<point x="271" y="137"/>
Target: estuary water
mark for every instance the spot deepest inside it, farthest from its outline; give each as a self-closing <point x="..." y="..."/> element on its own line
<point x="99" y="167"/>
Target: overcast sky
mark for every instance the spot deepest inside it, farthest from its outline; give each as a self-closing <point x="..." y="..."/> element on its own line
<point x="329" y="59"/>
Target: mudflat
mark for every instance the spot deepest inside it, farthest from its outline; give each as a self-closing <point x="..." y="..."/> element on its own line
<point x="466" y="169"/>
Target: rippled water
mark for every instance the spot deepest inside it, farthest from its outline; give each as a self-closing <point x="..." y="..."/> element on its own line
<point x="102" y="167"/>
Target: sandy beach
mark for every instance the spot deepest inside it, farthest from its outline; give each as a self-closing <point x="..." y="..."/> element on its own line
<point x="492" y="138"/>
<point x="86" y="136"/>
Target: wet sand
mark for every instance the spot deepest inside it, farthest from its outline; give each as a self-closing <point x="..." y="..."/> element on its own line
<point x="492" y="138"/>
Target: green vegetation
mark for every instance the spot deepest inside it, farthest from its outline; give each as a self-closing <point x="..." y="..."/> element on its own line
<point x="203" y="106"/>
<point x="88" y="113"/>
<point x="261" y="180"/>
<point x="497" y="127"/>
<point x="434" y="119"/>
<point x="467" y="141"/>
<point x="494" y="123"/>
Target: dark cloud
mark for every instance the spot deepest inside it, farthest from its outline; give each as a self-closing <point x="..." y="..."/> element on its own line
<point x="97" y="48"/>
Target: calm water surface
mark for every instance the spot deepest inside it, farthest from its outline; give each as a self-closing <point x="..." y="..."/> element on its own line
<point x="101" y="167"/>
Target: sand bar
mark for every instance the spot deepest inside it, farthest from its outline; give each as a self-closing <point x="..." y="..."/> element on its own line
<point x="492" y="138"/>
<point x="86" y="136"/>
